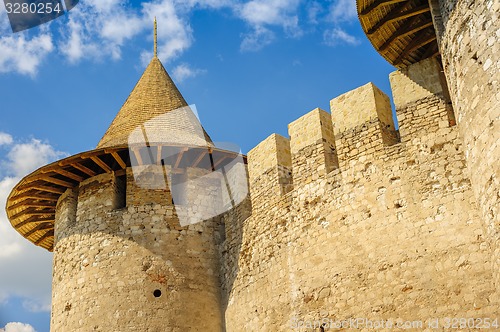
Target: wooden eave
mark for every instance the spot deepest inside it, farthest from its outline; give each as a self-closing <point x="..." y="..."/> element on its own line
<point x="400" y="30"/>
<point x="31" y="205"/>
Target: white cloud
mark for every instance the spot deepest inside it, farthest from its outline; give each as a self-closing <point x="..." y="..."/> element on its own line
<point x="269" y="12"/>
<point x="174" y="33"/>
<point x="340" y="13"/>
<point x="183" y="71"/>
<point x="313" y="11"/>
<point x="5" y="139"/>
<point x="187" y="5"/>
<point x="338" y="36"/>
<point x="20" y="260"/>
<point x="36" y="306"/>
<point x="343" y="10"/>
<point x="261" y="14"/>
<point x="17" y="327"/>
<point x="98" y="29"/>
<point x="255" y="41"/>
<point x="22" y="52"/>
<point x="24" y="158"/>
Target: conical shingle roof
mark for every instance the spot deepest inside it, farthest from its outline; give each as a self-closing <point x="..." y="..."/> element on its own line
<point x="156" y="105"/>
<point x="154" y="126"/>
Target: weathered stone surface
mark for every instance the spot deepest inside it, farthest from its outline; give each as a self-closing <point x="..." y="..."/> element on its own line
<point x="470" y="46"/>
<point x="133" y="268"/>
<point x="394" y="232"/>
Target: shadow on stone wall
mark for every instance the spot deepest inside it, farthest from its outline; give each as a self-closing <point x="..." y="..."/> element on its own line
<point x="157" y="244"/>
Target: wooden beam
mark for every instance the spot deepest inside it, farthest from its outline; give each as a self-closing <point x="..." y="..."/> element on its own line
<point x="137" y="154"/>
<point x="69" y="175"/>
<point x="405" y="30"/>
<point x="101" y="164"/>
<point x="31" y="203"/>
<point x="179" y="157"/>
<point x="41" y="213"/>
<point x="34" y="219"/>
<point x="200" y="157"/>
<point x="32" y="212"/>
<point x="431" y="51"/>
<point x="121" y="172"/>
<point x="378" y="3"/>
<point x="30" y="194"/>
<point x="22" y="213"/>
<point x="158" y="154"/>
<point x="220" y="161"/>
<point x="44" y="236"/>
<point x="84" y="169"/>
<point x="410" y="13"/>
<point x="40" y="227"/>
<point x="398" y="14"/>
<point x="177" y="170"/>
<point x="119" y="160"/>
<point x="59" y="182"/>
<point x="44" y="178"/>
<point x="18" y="204"/>
<point x="424" y="39"/>
<point x="49" y="189"/>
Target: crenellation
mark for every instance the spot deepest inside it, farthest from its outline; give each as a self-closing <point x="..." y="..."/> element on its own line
<point x="363" y="124"/>
<point x="312" y="145"/>
<point x="420" y="96"/>
<point x="270" y="170"/>
<point x="397" y="221"/>
<point x="361" y="106"/>
<point x="416" y="82"/>
<point x="424" y="116"/>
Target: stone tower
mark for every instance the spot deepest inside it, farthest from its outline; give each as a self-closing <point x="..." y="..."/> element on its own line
<point x="129" y="253"/>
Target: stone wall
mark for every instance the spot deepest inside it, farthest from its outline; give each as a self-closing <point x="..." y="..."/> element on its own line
<point x="347" y="218"/>
<point x="134" y="268"/>
<point x="469" y="41"/>
<point x="393" y="232"/>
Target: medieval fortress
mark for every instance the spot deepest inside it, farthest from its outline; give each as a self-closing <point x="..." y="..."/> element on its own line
<point x="349" y="217"/>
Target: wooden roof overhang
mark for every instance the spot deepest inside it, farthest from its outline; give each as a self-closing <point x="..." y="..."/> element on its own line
<point x="31" y="205"/>
<point x="401" y="31"/>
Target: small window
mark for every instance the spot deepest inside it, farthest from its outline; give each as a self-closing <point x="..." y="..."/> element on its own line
<point x="120" y="199"/>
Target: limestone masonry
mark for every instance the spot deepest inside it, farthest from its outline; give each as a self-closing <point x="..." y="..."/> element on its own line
<point x="351" y="216"/>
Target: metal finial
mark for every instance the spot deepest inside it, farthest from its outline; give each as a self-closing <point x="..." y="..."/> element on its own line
<point x="156" y="40"/>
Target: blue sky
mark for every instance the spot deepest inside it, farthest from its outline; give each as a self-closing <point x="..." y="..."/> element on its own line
<point x="251" y="67"/>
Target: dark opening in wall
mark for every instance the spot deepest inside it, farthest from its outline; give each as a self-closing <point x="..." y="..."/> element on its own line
<point x="120" y="191"/>
<point x="221" y="231"/>
<point x="157" y="293"/>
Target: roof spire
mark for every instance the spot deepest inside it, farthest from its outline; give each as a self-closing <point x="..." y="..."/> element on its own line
<point x="156" y="40"/>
